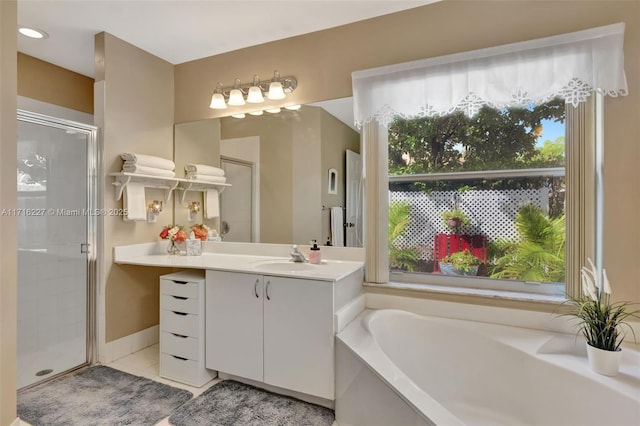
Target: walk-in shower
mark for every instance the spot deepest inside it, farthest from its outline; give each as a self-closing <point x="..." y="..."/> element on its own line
<point x="56" y="216"/>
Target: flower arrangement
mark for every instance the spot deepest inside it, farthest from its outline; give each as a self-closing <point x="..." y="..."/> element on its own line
<point x="462" y="260"/>
<point x="600" y="320"/>
<point x="174" y="233"/>
<point x="201" y="231"/>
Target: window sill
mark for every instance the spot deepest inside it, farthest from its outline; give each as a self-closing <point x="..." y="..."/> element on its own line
<point x="502" y="295"/>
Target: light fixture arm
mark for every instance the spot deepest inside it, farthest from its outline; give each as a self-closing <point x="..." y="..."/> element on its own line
<point x="289" y="84"/>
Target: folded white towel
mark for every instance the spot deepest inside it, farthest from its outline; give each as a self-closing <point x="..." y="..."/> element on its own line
<point x="206" y="178"/>
<point x="149" y="161"/>
<point x="145" y="170"/>
<point x="202" y="169"/>
<point x="133" y="201"/>
<point x="337" y="226"/>
<point x="211" y="204"/>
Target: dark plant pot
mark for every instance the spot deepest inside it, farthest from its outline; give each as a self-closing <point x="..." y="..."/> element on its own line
<point x="448" y="269"/>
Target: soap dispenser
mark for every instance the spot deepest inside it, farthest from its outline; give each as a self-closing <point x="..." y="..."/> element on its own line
<point x="194" y="245"/>
<point x="314" y="253"/>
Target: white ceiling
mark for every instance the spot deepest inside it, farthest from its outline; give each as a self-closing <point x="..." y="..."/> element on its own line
<point x="182" y="30"/>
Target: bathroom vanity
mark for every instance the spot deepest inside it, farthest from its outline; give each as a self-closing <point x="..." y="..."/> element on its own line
<point x="267" y="319"/>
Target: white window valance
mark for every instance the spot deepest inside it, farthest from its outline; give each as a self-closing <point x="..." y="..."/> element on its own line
<point x="570" y="66"/>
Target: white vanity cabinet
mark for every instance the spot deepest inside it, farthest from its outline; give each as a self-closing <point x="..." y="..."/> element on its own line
<point x="182" y="347"/>
<point x="272" y="329"/>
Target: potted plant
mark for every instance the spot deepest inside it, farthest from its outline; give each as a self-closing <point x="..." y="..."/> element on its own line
<point x="201" y="231"/>
<point x="460" y="263"/>
<point x="600" y="321"/>
<point x="454" y="219"/>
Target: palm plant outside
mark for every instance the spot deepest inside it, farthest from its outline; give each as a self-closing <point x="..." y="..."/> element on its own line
<point x="399" y="219"/>
<point x="539" y="255"/>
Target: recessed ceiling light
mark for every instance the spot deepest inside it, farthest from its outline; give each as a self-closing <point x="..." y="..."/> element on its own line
<point x="32" y="32"/>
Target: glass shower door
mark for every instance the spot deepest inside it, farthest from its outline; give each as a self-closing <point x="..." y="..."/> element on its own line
<point x="54" y="227"/>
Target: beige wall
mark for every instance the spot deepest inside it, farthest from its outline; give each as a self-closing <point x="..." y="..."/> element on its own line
<point x="276" y="139"/>
<point x="323" y="61"/>
<point x="336" y="139"/>
<point x="8" y="197"/>
<point x="49" y="83"/>
<point x="134" y="109"/>
<point x="196" y="142"/>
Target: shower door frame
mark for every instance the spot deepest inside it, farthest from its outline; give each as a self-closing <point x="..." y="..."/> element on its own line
<point x="93" y="194"/>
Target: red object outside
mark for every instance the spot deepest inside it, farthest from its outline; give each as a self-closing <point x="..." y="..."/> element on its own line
<point x="446" y="244"/>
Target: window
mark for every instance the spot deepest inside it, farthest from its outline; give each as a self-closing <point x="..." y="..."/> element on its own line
<point x="480" y="198"/>
<point x="575" y="67"/>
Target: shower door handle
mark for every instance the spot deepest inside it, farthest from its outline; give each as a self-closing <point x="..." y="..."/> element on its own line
<point x="84" y="248"/>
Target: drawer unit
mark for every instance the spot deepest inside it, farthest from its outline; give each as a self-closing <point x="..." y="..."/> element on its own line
<point x="180" y="323"/>
<point x="182" y="339"/>
<point x="179" y="345"/>
<point x="179" y="304"/>
<point x="179" y="288"/>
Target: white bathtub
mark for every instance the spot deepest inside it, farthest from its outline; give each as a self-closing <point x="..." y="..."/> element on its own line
<point x="395" y="368"/>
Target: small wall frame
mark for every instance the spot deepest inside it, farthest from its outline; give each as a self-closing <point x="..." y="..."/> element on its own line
<point x="333" y="181"/>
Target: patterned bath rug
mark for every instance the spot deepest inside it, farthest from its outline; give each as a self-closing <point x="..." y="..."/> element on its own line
<point x="99" y="395"/>
<point x="229" y="403"/>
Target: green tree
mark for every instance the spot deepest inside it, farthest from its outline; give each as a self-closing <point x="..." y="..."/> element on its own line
<point x="492" y="140"/>
<point x="399" y="219"/>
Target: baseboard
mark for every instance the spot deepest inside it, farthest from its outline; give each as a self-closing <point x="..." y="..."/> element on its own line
<point x="132" y="343"/>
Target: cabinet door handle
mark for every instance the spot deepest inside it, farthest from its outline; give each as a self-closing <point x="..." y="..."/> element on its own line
<point x="180" y="282"/>
<point x="255" y="288"/>
<point x="266" y="290"/>
<point x="180" y="297"/>
<point x="180" y="313"/>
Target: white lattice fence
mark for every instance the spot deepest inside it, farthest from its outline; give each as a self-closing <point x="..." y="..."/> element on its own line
<point x="491" y="213"/>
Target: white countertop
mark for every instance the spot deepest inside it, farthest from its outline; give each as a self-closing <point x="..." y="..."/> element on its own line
<point x="260" y="263"/>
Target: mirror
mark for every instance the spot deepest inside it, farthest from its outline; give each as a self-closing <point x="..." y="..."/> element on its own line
<point x="279" y="166"/>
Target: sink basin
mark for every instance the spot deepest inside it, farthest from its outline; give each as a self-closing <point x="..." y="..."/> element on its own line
<point x="284" y="266"/>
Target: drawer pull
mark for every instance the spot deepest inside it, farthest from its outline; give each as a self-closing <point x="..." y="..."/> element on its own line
<point x="180" y="282"/>
<point x="180" y="313"/>
<point x="266" y="290"/>
<point x="180" y="297"/>
<point x="182" y="336"/>
<point x="179" y="357"/>
<point x="255" y="288"/>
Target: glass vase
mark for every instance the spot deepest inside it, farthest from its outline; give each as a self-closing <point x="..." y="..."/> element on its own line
<point x="173" y="248"/>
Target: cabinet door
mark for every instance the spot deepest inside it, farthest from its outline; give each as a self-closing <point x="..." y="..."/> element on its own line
<point x="298" y="335"/>
<point x="234" y="324"/>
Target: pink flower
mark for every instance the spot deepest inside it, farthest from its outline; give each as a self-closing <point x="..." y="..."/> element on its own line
<point x="180" y="236"/>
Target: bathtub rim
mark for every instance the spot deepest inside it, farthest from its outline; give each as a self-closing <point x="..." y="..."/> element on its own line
<point x="358" y="340"/>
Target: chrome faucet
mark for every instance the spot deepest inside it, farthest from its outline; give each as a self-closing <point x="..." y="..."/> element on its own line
<point x="296" y="255"/>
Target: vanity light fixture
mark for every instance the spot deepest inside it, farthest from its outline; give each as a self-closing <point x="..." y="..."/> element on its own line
<point x="259" y="112"/>
<point x="217" y="99"/>
<point x="32" y="32"/>
<point x="235" y="96"/>
<point x="273" y="110"/>
<point x="254" y="92"/>
<point x="293" y="107"/>
<point x="276" y="91"/>
<point x="153" y="211"/>
<point x="241" y="115"/>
